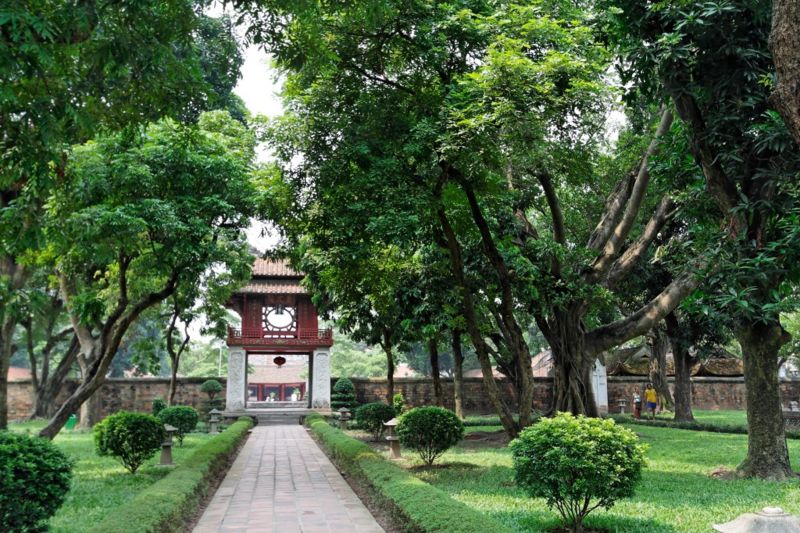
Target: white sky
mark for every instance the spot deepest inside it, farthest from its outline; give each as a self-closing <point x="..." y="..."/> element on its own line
<point x="259" y="89"/>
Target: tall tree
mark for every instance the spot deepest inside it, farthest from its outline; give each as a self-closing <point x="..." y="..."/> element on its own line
<point x="141" y="216"/>
<point x="712" y="60"/>
<point x="451" y="117"/>
<point x="69" y="69"/>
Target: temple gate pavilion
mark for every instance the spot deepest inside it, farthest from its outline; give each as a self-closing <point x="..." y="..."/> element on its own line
<point x="279" y="342"/>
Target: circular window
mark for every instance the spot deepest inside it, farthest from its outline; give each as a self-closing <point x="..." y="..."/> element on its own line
<point x="279" y="318"/>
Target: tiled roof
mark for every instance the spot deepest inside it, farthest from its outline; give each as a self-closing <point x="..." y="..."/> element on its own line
<point x="273" y="286"/>
<point x="274" y="268"/>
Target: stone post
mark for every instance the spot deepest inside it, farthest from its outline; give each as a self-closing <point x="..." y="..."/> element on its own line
<point x="237" y="376"/>
<point x="321" y="382"/>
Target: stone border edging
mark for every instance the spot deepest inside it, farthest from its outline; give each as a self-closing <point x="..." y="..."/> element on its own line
<point x="167" y="504"/>
<point x="424" y="507"/>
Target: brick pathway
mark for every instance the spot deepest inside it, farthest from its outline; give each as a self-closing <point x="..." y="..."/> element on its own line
<point x="281" y="482"/>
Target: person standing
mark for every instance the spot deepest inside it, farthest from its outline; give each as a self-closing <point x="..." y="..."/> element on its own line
<point x="651" y="398"/>
<point x="637" y="403"/>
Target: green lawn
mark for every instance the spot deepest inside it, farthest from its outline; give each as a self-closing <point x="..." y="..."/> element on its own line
<point x="100" y="484"/>
<point x="676" y="493"/>
<point x="722" y="418"/>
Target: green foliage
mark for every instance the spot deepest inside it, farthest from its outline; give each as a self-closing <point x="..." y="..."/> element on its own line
<point x="371" y="416"/>
<point x="420" y="505"/>
<point x="344" y="395"/>
<point x="430" y="431"/>
<point x="158" y="405"/>
<point x="577" y="464"/>
<point x="212" y="387"/>
<point x="130" y="437"/>
<point x="356" y="359"/>
<point x="183" y="417"/>
<point x="35" y="477"/>
<point x="399" y="403"/>
<point x="168" y="504"/>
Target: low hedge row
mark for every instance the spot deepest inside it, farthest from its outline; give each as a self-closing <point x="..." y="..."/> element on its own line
<point x="693" y="426"/>
<point x="422" y="507"/>
<point x="168" y="503"/>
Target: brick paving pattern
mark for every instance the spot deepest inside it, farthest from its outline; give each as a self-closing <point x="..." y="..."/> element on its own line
<point x="281" y="482"/>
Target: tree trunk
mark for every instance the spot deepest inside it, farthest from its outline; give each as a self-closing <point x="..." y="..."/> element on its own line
<point x="767" y="452"/>
<point x="90" y="411"/>
<point x="173" y="385"/>
<point x="458" y="374"/>
<point x="475" y="334"/>
<point x="572" y="385"/>
<point x="46" y="397"/>
<point x="683" y="369"/>
<point x="784" y="43"/>
<point x="659" y="345"/>
<point x="436" y="374"/>
<point x="6" y="348"/>
<point x="387" y="349"/>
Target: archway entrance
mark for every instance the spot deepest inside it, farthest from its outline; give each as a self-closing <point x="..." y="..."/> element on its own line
<point x="279" y="320"/>
<point x="270" y="384"/>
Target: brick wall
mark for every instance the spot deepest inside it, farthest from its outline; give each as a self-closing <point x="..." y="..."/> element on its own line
<point x="137" y="394"/>
<point x="128" y="394"/>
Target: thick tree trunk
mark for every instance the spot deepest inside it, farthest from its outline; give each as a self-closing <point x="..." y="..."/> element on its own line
<point x="458" y="374"/>
<point x="436" y="374"/>
<point x="659" y="345"/>
<point x="683" y="369"/>
<point x="767" y="452"/>
<point x="90" y="411"/>
<point x="572" y="386"/>
<point x="784" y="43"/>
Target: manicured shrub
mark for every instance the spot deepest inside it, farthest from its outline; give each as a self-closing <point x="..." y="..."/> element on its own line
<point x="183" y="417"/>
<point x="399" y="403"/>
<point x="133" y="438"/>
<point x="577" y="464"/>
<point x="158" y="405"/>
<point x="344" y="395"/>
<point x="371" y="416"/>
<point x="430" y="431"/>
<point x="34" y="480"/>
<point x="170" y="503"/>
<point x="212" y="387"/>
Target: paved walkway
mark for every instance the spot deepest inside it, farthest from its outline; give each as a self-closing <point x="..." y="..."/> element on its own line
<point x="281" y="482"/>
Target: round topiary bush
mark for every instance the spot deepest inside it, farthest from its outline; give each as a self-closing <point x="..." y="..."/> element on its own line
<point x="183" y="417"/>
<point x="344" y="395"/>
<point x="577" y="464"/>
<point x="158" y="405"/>
<point x="212" y="387"/>
<point x="430" y="431"/>
<point x="35" y="479"/>
<point x="371" y="416"/>
<point x="133" y="438"/>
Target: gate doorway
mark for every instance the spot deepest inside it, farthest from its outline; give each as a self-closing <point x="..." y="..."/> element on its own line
<point x="277" y="385"/>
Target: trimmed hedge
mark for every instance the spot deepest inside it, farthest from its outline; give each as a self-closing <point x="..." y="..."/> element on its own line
<point x="421" y="506"/>
<point x="692" y="426"/>
<point x="166" y="505"/>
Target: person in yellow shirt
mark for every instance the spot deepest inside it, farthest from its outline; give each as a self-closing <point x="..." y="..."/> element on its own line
<point x="651" y="398"/>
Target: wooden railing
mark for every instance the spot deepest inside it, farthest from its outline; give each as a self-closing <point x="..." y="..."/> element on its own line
<point x="257" y="333"/>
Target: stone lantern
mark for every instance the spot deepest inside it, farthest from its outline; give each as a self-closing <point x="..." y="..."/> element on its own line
<point x="622" y="402"/>
<point x="767" y="520"/>
<point x="166" y="446"/>
<point x="344" y="416"/>
<point x="394" y="441"/>
<point x="213" y="421"/>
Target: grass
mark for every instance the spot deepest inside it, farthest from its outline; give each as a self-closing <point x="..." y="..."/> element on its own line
<point x="101" y="484"/>
<point x="676" y="493"/>
<point x="722" y="418"/>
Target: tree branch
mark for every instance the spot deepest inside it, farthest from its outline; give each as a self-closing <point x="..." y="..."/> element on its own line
<point x="719" y="184"/>
<point x="617" y="237"/>
<point x="643" y="320"/>
<point x="633" y="254"/>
